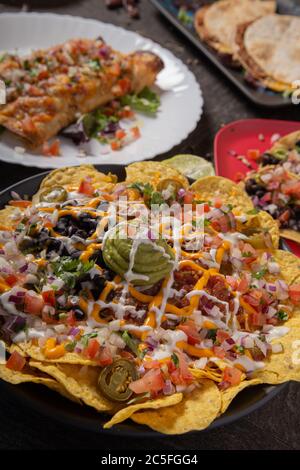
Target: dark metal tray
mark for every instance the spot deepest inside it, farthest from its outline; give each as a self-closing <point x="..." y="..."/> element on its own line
<point x="259" y="96"/>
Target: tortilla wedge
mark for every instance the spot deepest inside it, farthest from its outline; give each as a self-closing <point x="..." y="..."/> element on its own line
<point x="217" y="23"/>
<point x="267" y="49"/>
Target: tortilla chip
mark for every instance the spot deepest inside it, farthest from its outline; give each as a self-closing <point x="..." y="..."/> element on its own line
<point x="289" y="264"/>
<point x="153" y="173"/>
<point x="72" y="177"/>
<point x="228" y="395"/>
<point x="211" y="187"/>
<point x="290" y="235"/>
<point x="196" y="411"/>
<point x="262" y="221"/>
<point x="80" y="382"/>
<point x="287" y="142"/>
<point x="126" y="413"/>
<point x="10" y="217"/>
<point x="212" y="374"/>
<point x="37" y="354"/>
<point x="284" y="366"/>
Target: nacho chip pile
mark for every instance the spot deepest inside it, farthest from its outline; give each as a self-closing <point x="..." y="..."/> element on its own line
<point x="163" y="319"/>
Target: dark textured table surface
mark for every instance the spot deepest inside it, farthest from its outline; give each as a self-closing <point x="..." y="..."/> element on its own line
<point x="276" y="425"/>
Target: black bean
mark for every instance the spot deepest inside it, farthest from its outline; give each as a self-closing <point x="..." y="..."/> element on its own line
<point x="79" y="314"/>
<point x="268" y="159"/>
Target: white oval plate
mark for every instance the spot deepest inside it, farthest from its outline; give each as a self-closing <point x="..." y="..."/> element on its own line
<point x="181" y="98"/>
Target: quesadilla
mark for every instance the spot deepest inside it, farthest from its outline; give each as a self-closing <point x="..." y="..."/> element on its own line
<point x="217" y="23"/>
<point x="269" y="50"/>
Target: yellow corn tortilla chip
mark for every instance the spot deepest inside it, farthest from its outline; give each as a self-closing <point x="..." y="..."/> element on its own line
<point x="37" y="354"/>
<point x="28" y="375"/>
<point x="290" y="234"/>
<point x="211" y="187"/>
<point x="126" y="413"/>
<point x="262" y="221"/>
<point x="196" y="411"/>
<point x="80" y="382"/>
<point x="153" y="173"/>
<point x="289" y="264"/>
<point x="284" y="366"/>
<point x="287" y="142"/>
<point x="10" y="217"/>
<point x="228" y="395"/>
<point x="212" y="374"/>
<point x="72" y="177"/>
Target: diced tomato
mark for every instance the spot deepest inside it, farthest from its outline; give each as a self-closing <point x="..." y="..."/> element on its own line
<point x="181" y="375"/>
<point x="292" y="189"/>
<point x="92" y="349"/>
<point x="11" y="279"/>
<point x="285" y="216"/>
<point x="219" y="352"/>
<point x="33" y="303"/>
<point x="126" y="113"/>
<point x="127" y="355"/>
<point x="238" y="177"/>
<point x="86" y="187"/>
<point x="191" y="332"/>
<point x="222" y="336"/>
<point x="151" y="365"/>
<point x="43" y="74"/>
<point x="152" y="381"/>
<point x="71" y="320"/>
<point x="188" y="197"/>
<point x="136" y="133"/>
<point x="253" y="154"/>
<point x="125" y="85"/>
<point x="120" y="134"/>
<point x="232" y="282"/>
<point x="105" y="357"/>
<point x="257" y="319"/>
<point x="28" y="125"/>
<point x="51" y="150"/>
<point x="35" y="91"/>
<point x="218" y="202"/>
<point x="294" y="293"/>
<point x="253" y="298"/>
<point x="49" y="297"/>
<point x="20" y="203"/>
<point x="115" y="69"/>
<point x="266" y="197"/>
<point x="232" y="375"/>
<point x="243" y="285"/>
<point x="16" y="362"/>
<point x="115" y="145"/>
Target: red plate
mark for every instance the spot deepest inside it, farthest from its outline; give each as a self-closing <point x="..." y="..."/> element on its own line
<point x="239" y="136"/>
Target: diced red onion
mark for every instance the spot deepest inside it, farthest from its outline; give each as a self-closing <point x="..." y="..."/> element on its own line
<point x="74" y="331"/>
<point x="271" y="287"/>
<point x="228" y="344"/>
<point x="23" y="268"/>
<point x="15" y="299"/>
<point x="168" y="388"/>
<point x="20" y="293"/>
<point x="181" y="192"/>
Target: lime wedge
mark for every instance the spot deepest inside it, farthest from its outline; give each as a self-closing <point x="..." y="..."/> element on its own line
<point x="191" y="166"/>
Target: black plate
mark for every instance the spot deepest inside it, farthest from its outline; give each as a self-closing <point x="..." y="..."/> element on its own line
<point x="259" y="96"/>
<point x="59" y="408"/>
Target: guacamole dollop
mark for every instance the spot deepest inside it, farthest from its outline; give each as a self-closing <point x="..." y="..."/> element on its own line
<point x="139" y="260"/>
